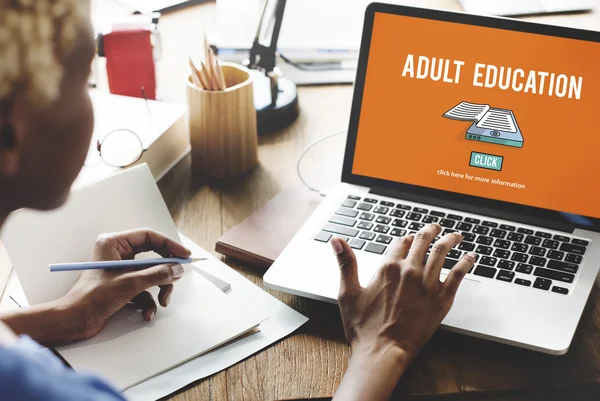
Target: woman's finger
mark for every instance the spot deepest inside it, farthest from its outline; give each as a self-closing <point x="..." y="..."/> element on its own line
<point x="146" y="239"/>
<point x="458" y="272"/>
<point x="164" y="295"/>
<point x="399" y="248"/>
<point x="437" y="256"/>
<point x="145" y="302"/>
<point x="421" y="243"/>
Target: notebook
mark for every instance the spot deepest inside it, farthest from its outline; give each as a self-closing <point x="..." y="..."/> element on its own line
<point x="128" y="350"/>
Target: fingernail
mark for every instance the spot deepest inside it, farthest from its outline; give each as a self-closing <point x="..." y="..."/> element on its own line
<point x="472" y="255"/>
<point x="337" y="246"/>
<point x="168" y="299"/>
<point x="151" y="316"/>
<point x="177" y="271"/>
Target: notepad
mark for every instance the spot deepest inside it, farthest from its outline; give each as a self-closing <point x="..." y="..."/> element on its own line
<point x="129" y="350"/>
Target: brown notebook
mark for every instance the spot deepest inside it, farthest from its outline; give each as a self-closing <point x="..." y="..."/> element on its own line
<point x="260" y="238"/>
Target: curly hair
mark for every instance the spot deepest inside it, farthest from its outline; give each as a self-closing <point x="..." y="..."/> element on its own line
<point x="36" y="37"/>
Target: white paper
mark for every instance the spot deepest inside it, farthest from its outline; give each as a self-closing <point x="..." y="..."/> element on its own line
<point x="284" y="321"/>
<point x="466" y="111"/>
<point x="129" y="350"/>
<point x="498" y="120"/>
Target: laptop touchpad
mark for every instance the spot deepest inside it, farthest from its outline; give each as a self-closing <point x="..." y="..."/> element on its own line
<point x="462" y="309"/>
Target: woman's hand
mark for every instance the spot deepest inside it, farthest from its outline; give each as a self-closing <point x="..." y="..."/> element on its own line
<point x="388" y="322"/>
<point x="98" y="294"/>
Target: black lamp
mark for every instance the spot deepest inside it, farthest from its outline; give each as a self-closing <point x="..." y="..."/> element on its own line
<point x="275" y="97"/>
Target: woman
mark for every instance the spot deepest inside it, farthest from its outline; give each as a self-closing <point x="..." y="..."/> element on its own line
<point x="46" y="124"/>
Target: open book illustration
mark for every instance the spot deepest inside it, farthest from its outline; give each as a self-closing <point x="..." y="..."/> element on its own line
<point x="491" y="125"/>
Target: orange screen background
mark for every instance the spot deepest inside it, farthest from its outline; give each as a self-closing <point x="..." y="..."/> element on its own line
<point x="403" y="137"/>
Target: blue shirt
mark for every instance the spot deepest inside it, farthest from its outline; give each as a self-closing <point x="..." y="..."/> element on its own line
<point x="29" y="372"/>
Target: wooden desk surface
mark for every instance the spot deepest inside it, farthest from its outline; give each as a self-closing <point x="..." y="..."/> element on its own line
<point x="310" y="363"/>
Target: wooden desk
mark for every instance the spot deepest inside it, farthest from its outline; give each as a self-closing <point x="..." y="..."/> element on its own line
<point x="310" y="364"/>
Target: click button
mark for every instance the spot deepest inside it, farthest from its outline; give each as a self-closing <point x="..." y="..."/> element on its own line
<point x="488" y="162"/>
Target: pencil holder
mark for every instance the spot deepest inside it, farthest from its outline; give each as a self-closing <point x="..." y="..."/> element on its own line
<point x="223" y="131"/>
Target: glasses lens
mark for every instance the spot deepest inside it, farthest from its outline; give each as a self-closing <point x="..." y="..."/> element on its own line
<point x="121" y="148"/>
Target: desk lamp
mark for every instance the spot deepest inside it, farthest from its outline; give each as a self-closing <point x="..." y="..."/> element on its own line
<point x="275" y="97"/>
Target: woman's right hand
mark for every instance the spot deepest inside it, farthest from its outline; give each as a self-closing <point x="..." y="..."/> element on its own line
<point x="388" y="322"/>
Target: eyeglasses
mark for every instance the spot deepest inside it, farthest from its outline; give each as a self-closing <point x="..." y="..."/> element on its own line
<point x="119" y="148"/>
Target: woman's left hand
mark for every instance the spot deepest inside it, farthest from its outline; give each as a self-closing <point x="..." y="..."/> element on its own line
<point x="98" y="294"/>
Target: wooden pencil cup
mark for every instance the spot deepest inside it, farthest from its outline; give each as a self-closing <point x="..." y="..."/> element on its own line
<point x="223" y="131"/>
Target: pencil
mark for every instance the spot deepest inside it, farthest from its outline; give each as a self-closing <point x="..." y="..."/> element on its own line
<point x="205" y="72"/>
<point x="221" y="76"/>
<point x="202" y="76"/>
<point x="195" y="75"/>
<point x="213" y="70"/>
<point x="120" y="264"/>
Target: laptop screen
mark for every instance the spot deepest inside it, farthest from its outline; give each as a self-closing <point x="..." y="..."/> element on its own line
<point x="493" y="113"/>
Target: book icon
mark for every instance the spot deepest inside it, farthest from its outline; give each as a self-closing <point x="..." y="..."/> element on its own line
<point x="491" y="125"/>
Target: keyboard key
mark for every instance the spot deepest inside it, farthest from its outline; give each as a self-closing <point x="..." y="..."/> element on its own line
<point x="448" y="231"/>
<point x="561" y="238"/>
<point x="576" y="249"/>
<point x="488" y="261"/>
<point x="580" y="242"/>
<point x="525" y="231"/>
<point x="371" y="200"/>
<point x="519" y="248"/>
<point x="384" y="239"/>
<point x="398" y="232"/>
<point x="447" y="223"/>
<point x="483" y="250"/>
<point x="367" y="235"/>
<point x="416" y="226"/>
<point x="468" y="237"/>
<point x="323" y="237"/>
<point x="537" y="261"/>
<point x="375" y="248"/>
<point x="364" y="225"/>
<point x="537" y="251"/>
<point x="367" y="216"/>
<point x="403" y="207"/>
<point x="519" y="257"/>
<point x="520" y="281"/>
<point x="543" y="234"/>
<point x="342" y="237"/>
<point x="472" y="220"/>
<point x="504" y="275"/>
<point x="397" y="213"/>
<point x="530" y="240"/>
<point x="481" y="230"/>
<point x="430" y="219"/>
<point x="466" y="246"/>
<point x="464" y="226"/>
<point x="501" y="253"/>
<point x="573" y="258"/>
<point x="354" y="197"/>
<point x="502" y="244"/>
<point x="365" y="206"/>
<point x="385" y="203"/>
<point x="542" y="284"/>
<point x="346" y="212"/>
<point x="485" y="271"/>
<point x="414" y="216"/>
<point x="563" y="267"/>
<point x="454" y="217"/>
<point x="515" y="237"/>
<point x="454" y="254"/>
<point x="420" y="210"/>
<point x="349" y="203"/>
<point x="556" y="255"/>
<point x="554" y="275"/>
<point x="506" y="264"/>
<point x="356" y="243"/>
<point x="383" y="220"/>
<point x="400" y="223"/>
<point x="381" y="229"/>
<point x="560" y="290"/>
<point x="482" y="239"/>
<point x="344" y="221"/>
<point x="498" y="233"/>
<point x="381" y="210"/>
<point x="437" y="214"/>
<point x="548" y="243"/>
<point x="507" y="227"/>
<point x="449" y="263"/>
<point x="336" y="229"/>
<point x="489" y="224"/>
<point x="524" y="268"/>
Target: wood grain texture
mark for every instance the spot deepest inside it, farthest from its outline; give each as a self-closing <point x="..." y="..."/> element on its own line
<point x="310" y="363"/>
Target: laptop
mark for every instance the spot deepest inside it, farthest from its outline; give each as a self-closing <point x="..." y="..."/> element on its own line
<point x="525" y="7"/>
<point x="489" y="127"/>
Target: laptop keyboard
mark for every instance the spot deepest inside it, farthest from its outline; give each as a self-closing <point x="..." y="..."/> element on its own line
<point x="505" y="252"/>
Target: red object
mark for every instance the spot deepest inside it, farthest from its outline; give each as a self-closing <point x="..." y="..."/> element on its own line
<point x="130" y="63"/>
